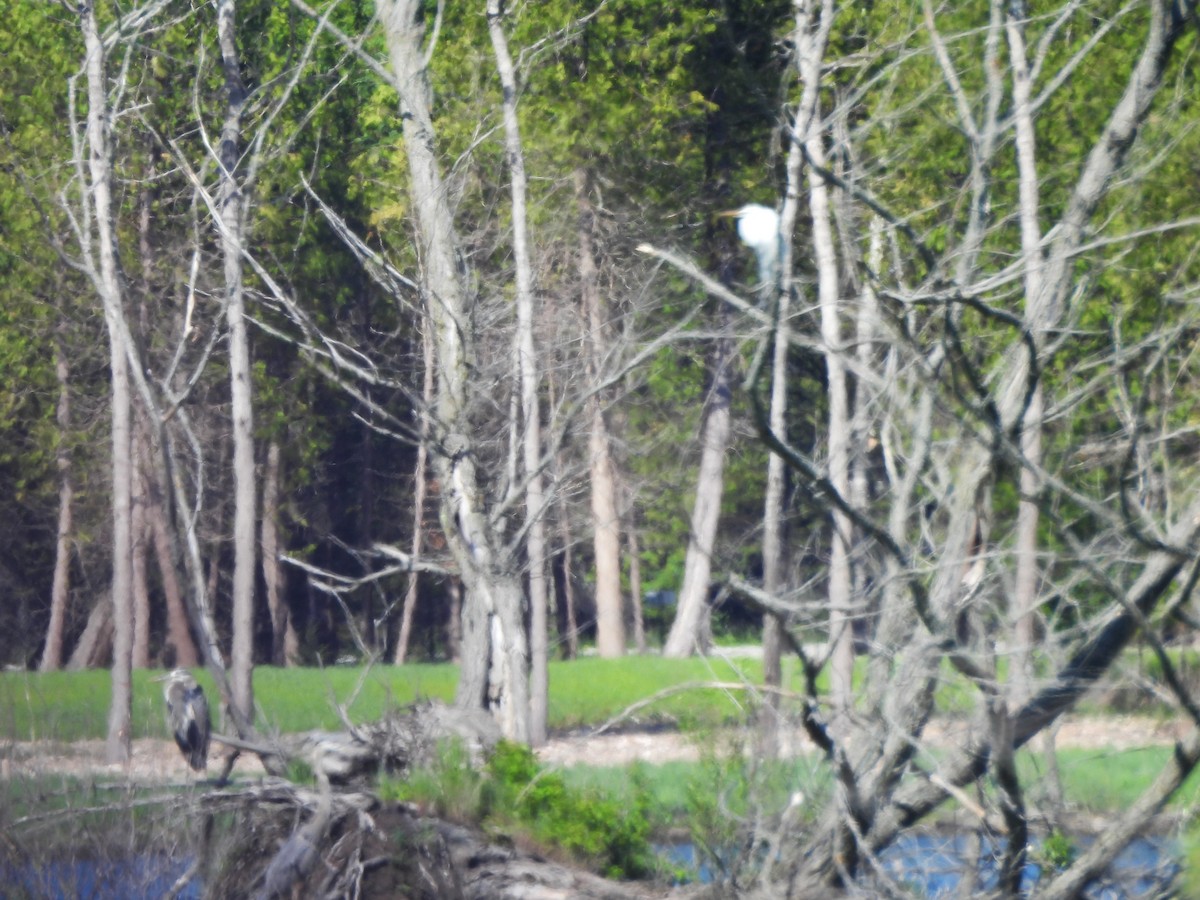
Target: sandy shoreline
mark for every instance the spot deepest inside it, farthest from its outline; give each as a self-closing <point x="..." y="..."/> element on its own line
<point x="159" y="760"/>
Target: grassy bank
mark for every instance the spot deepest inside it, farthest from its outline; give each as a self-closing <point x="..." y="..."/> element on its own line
<point x="71" y="706"/>
<point x="604" y="817"/>
<point x="1094" y="782"/>
<point x="583" y="693"/>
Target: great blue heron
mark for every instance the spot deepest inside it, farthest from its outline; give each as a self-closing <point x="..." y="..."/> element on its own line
<point x="758" y="228"/>
<point x="187" y="716"/>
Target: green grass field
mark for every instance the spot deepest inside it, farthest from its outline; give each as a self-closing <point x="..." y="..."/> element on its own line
<point x="70" y="706"/>
<point x="584" y="693"/>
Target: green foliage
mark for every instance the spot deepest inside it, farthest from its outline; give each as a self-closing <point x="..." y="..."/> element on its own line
<point x="731" y="789"/>
<point x="666" y="783"/>
<point x="515" y="794"/>
<point x="1189" y="877"/>
<point x="299" y="772"/>
<point x="610" y="834"/>
<point x="450" y="786"/>
<point x="1055" y="852"/>
<point x="38" y="299"/>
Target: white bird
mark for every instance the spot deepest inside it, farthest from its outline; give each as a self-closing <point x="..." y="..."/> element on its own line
<point x="187" y="716"/>
<point x="758" y="228"/>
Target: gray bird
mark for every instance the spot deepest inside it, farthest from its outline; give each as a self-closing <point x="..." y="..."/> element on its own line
<point x="187" y="716"/>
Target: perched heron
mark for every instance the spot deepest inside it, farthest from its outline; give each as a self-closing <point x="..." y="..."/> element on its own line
<point x="758" y="228"/>
<point x="187" y="716"/>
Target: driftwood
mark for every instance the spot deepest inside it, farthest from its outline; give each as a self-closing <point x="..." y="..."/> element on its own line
<point x="399" y="741"/>
<point x="292" y="841"/>
<point x="472" y="868"/>
<point x="297" y="858"/>
<point x="345" y="846"/>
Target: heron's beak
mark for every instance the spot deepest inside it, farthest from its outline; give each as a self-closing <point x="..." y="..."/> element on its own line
<point x="162" y="677"/>
<point x="729" y="214"/>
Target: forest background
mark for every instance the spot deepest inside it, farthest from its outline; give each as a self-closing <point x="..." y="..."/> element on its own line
<point x="337" y="442"/>
<point x="411" y="331"/>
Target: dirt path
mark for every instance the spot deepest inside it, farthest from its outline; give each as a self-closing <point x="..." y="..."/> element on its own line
<point x="156" y="760"/>
<point x="1088" y="733"/>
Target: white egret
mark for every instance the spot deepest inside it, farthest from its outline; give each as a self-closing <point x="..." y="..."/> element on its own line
<point x="187" y="716"/>
<point x="758" y="228"/>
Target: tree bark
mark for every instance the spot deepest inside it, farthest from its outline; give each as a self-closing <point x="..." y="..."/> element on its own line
<point x="106" y="281"/>
<point x="773" y="528"/>
<point x="409" y="607"/>
<point x="1024" y="601"/>
<point x="606" y="525"/>
<point x="690" y="613"/>
<point x="635" y="590"/>
<point x="60" y="588"/>
<point x="140" y="526"/>
<point x="94" y="647"/>
<point x="232" y="208"/>
<point x="812" y="33"/>
<point x="140" y="658"/>
<point x="179" y="637"/>
<point x="571" y="625"/>
<point x="493" y="626"/>
<point x="527" y="366"/>
<point x="285" y="645"/>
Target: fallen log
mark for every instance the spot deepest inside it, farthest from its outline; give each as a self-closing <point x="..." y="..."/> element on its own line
<point x="399" y="741"/>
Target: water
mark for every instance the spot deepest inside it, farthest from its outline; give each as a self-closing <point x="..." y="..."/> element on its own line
<point x="130" y="879"/>
<point x="931" y="863"/>
<point x="934" y="864"/>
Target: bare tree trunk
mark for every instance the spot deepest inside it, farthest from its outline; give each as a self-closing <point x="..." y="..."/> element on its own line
<point x="690" y="613"/>
<point x="773" y="530"/>
<point x="606" y="539"/>
<point x="812" y="34"/>
<point x="1027" y="578"/>
<point x="60" y="588"/>
<point x="94" y="646"/>
<point x="106" y="281"/>
<point x="568" y="577"/>
<point x="419" y="492"/>
<point x="635" y="590"/>
<point x="1025" y="593"/>
<point x="527" y="365"/>
<point x="455" y="620"/>
<point x="202" y="590"/>
<point x="773" y="525"/>
<point x="142" y="439"/>
<point x="368" y="640"/>
<point x="284" y="643"/>
<point x="494" y="657"/>
<point x="179" y="638"/>
<point x="140" y="527"/>
<point x="606" y="525"/>
<point x="232" y="207"/>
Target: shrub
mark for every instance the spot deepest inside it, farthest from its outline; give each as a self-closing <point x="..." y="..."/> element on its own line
<point x="449" y="787"/>
<point x="514" y="792"/>
<point x="1056" y="852"/>
<point x="589" y="825"/>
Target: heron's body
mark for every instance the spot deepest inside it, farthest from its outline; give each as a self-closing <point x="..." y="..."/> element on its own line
<point x="187" y="717"/>
<point x="758" y="228"/>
